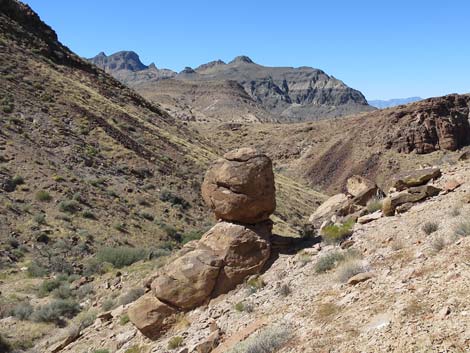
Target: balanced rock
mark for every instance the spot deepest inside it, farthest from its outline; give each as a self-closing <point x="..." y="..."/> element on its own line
<point x="240" y="187"/>
<point x="188" y="281"/>
<point x="415" y="178"/>
<point x="151" y="317"/>
<point x="244" y="249"/>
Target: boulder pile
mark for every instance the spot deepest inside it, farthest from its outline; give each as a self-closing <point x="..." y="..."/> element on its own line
<point x="240" y="190"/>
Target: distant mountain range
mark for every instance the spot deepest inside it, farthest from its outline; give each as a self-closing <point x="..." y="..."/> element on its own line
<point x="381" y="104"/>
<point x="240" y="90"/>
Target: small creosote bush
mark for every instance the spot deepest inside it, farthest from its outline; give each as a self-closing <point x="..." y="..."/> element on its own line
<point x="430" y="227"/>
<point x="175" y="342"/>
<point x="43" y="196"/>
<point x="336" y="233"/>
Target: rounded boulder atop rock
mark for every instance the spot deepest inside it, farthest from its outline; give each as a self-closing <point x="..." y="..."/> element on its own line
<point x="240" y="187"/>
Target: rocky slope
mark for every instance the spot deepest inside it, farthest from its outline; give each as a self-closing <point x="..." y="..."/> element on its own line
<point x="376" y="144"/>
<point x="286" y="94"/>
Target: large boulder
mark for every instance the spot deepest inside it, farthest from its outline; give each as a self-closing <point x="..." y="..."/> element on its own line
<point x="240" y="187"/>
<point x="151" y="317"/>
<point x="357" y="185"/>
<point x="415" y="178"/>
<point x="413" y="194"/>
<point x="188" y="281"/>
<point x="338" y="205"/>
<point x="244" y="249"/>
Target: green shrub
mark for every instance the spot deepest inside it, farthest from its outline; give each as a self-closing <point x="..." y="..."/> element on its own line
<point x="256" y="282"/>
<point x="17" y="180"/>
<point x="69" y="206"/>
<point x="192" y="235"/>
<point x="35" y="270"/>
<point x="328" y="261"/>
<point x="336" y="233"/>
<point x="47" y="286"/>
<point x="270" y="339"/>
<point x="22" y="311"/>
<point x="121" y="256"/>
<point x="131" y="296"/>
<point x="93" y="266"/>
<point x="124" y="319"/>
<point x="85" y="290"/>
<point x="108" y="304"/>
<point x="147" y="216"/>
<point x="120" y="227"/>
<point x="463" y="229"/>
<point x="40" y="218"/>
<point x="170" y="231"/>
<point x="88" y="214"/>
<point x="374" y="204"/>
<point x="349" y="269"/>
<point x="53" y="311"/>
<point x="43" y="196"/>
<point x="168" y="196"/>
<point x="62" y="292"/>
<point x="175" y="342"/>
<point x="86" y="318"/>
<point x="430" y="227"/>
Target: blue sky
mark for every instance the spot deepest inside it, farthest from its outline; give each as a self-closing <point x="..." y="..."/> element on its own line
<point x="386" y="49"/>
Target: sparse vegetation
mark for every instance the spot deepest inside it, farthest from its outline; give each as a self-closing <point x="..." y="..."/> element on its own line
<point x="255" y="283"/>
<point x="40" y="218"/>
<point x="243" y="307"/>
<point x="349" y="268"/>
<point x="88" y="214"/>
<point x="374" y="204"/>
<point x="325" y="311"/>
<point x="43" y="196"/>
<point x="269" y="340"/>
<point x="121" y="256"/>
<point x="455" y="212"/>
<point x="336" y="233"/>
<point x="108" y="304"/>
<point x="438" y="244"/>
<point x="168" y="196"/>
<point x="131" y="296"/>
<point x="124" y="319"/>
<point x="69" y="206"/>
<point x="175" y="342"/>
<point x="328" y="261"/>
<point x="463" y="229"/>
<point x="285" y="290"/>
<point x="53" y="311"/>
<point x="22" y="311"/>
<point x="430" y="227"/>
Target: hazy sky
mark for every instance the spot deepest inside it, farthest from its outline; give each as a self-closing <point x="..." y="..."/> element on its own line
<point x="386" y="49"/>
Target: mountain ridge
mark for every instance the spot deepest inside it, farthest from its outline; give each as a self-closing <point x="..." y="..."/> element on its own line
<point x="389" y="103"/>
<point x="288" y="94"/>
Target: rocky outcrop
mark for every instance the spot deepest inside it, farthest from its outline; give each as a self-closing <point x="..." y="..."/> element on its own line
<point x="415" y="178"/>
<point x="430" y="125"/>
<point x="240" y="187"/>
<point x="407" y="197"/>
<point x="233" y="249"/>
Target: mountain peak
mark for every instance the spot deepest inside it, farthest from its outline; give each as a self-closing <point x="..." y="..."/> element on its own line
<point x="122" y="60"/>
<point x="242" y="59"/>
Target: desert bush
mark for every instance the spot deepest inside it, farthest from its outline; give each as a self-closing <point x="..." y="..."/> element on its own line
<point x="69" y="206"/>
<point x="47" y="286"/>
<point x="269" y="340"/>
<point x="22" y="311"/>
<point x="40" y="218"/>
<point x="93" y="266"/>
<point x="243" y="307"/>
<point x="192" y="235"/>
<point x="147" y="216"/>
<point x="328" y="261"/>
<point x="121" y="227"/>
<point x="349" y="268"/>
<point x="255" y="283"/>
<point x="463" y="229"/>
<point x="455" y="211"/>
<point x="131" y="296"/>
<point x="170" y="231"/>
<point x="285" y="290"/>
<point x="124" y="319"/>
<point x="35" y="269"/>
<point x="304" y="257"/>
<point x="374" y="204"/>
<point x="53" y="311"/>
<point x="108" y="304"/>
<point x="437" y="244"/>
<point x="62" y="292"/>
<point x="175" y="342"/>
<point x="17" y="180"/>
<point x="43" y="196"/>
<point x="430" y="227"/>
<point x="325" y="311"/>
<point x="336" y="233"/>
<point x="86" y="318"/>
<point x="85" y="290"/>
<point x="88" y="214"/>
<point x="168" y="196"/>
<point x="121" y="256"/>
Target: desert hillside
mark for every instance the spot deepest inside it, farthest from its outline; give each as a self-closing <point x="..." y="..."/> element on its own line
<point x="230" y="208"/>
